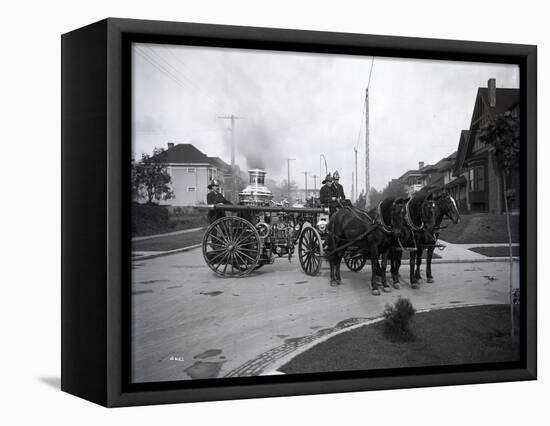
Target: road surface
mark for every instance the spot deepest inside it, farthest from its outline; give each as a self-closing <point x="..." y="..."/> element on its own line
<point x="189" y="323"/>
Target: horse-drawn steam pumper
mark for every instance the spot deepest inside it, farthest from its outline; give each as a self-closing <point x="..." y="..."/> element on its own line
<point x="257" y="231"/>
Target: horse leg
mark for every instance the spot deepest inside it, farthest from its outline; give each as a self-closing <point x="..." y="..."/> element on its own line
<point x="337" y="272"/>
<point x="375" y="272"/>
<point x="412" y="262"/>
<point x="394" y="269"/>
<point x="418" y="263"/>
<point x="429" y="255"/>
<point x="383" y="266"/>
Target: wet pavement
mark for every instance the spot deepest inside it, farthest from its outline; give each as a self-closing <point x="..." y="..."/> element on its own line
<point x="189" y="323"/>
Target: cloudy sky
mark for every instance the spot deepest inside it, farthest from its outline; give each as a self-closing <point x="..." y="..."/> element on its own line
<point x="296" y="105"/>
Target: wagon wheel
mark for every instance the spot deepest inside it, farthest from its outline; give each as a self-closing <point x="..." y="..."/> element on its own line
<point x="355" y="260"/>
<point x="231" y="247"/>
<point x="309" y="251"/>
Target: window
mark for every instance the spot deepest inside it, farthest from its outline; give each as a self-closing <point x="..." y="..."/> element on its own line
<point x="191" y="170"/>
<point x="477" y="178"/>
<point x="191" y="189"/>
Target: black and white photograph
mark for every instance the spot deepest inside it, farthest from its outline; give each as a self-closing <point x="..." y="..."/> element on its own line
<point x="298" y="213"/>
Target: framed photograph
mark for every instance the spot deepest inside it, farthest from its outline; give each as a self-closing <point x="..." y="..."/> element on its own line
<point x="254" y="212"/>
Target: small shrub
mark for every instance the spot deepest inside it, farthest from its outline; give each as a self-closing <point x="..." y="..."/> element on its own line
<point x="398" y="318"/>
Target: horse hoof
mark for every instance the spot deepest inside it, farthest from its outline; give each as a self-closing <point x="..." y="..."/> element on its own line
<point x="333" y="283"/>
<point x="397" y="286"/>
<point x="339" y="282"/>
<point x="375" y="292"/>
<point x="430" y="280"/>
<point x="415" y="286"/>
<point x="386" y="289"/>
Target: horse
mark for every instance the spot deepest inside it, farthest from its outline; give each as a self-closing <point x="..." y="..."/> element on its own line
<point x="349" y="226"/>
<point x="445" y="207"/>
<point x="390" y="214"/>
<point x="420" y="219"/>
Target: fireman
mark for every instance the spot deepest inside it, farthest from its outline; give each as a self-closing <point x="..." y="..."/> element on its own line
<point x="215" y="197"/>
<point x="338" y="189"/>
<point x="327" y="194"/>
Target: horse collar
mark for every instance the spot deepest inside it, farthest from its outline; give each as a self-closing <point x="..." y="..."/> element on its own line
<point x="385" y="227"/>
<point x="409" y="220"/>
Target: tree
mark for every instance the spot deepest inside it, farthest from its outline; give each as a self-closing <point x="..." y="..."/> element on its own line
<point x="375" y="197"/>
<point x="361" y="202"/>
<point x="502" y="134"/>
<point x="395" y="189"/>
<point x="150" y="178"/>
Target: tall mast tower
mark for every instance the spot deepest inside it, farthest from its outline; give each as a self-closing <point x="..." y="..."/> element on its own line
<point x="367" y="146"/>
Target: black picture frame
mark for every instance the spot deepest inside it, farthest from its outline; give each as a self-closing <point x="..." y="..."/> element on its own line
<point x="96" y="226"/>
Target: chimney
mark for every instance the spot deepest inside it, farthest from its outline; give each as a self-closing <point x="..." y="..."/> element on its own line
<point x="420" y="164"/>
<point x="492" y="86"/>
<point x="170" y="145"/>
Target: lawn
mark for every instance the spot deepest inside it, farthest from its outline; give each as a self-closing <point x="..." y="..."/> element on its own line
<point x="169" y="242"/>
<point x="496" y="251"/>
<point x="469" y="335"/>
<point x="480" y="228"/>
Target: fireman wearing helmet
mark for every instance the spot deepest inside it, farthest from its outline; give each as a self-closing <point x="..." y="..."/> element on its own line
<point x="215" y="197"/>
<point x="327" y="194"/>
<point x="338" y="189"/>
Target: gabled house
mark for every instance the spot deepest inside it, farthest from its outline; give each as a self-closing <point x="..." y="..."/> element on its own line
<point x="191" y="171"/>
<point x="477" y="161"/>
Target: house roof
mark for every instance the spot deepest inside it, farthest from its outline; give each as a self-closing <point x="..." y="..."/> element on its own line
<point x="506" y="100"/>
<point x="186" y="153"/>
<point x="461" y="152"/>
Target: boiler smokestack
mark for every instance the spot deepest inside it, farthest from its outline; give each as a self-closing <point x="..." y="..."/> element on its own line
<point x="492" y="86"/>
<point x="420" y="164"/>
<point x="170" y="145"/>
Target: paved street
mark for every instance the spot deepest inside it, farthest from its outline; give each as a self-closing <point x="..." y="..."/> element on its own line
<point x="189" y="323"/>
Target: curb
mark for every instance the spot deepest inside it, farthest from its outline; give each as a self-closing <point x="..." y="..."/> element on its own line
<point x="274" y="367"/>
<point x="168" y="234"/>
<point x="166" y="253"/>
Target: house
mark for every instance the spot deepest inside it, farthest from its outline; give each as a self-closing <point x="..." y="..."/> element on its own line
<point x="476" y="161"/>
<point x="414" y="180"/>
<point x="191" y="171"/>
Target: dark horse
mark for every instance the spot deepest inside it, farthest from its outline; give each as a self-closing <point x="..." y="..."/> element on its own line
<point x="390" y="214"/>
<point x="349" y="226"/>
<point x="445" y="207"/>
<point x="420" y="219"/>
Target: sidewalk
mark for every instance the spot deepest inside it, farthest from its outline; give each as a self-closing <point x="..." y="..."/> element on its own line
<point x="462" y="252"/>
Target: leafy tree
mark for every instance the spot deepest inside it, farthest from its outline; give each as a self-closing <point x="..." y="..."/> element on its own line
<point x="502" y="134"/>
<point x="375" y="197"/>
<point x="361" y="202"/>
<point x="395" y="188"/>
<point x="150" y="178"/>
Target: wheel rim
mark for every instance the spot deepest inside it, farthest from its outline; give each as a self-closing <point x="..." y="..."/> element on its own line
<point x="231" y="247"/>
<point x="355" y="261"/>
<point x="309" y="251"/>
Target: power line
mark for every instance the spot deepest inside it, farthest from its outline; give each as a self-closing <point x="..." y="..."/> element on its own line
<point x="182" y="75"/>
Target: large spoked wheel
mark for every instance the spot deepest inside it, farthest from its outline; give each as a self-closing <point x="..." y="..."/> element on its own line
<point x="231" y="247"/>
<point x="310" y="251"/>
<point x="355" y="260"/>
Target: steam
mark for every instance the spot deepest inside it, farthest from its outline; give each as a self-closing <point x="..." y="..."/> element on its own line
<point x="260" y="147"/>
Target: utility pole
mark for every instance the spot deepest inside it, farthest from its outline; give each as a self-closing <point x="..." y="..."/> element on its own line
<point x="232" y="118"/>
<point x="367" y="147"/>
<point x="314" y="183"/>
<point x="352" y="188"/>
<point x="305" y="197"/>
<point x="354" y="182"/>
<point x="288" y="160"/>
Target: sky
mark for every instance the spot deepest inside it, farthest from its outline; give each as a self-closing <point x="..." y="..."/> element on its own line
<point x="304" y="106"/>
